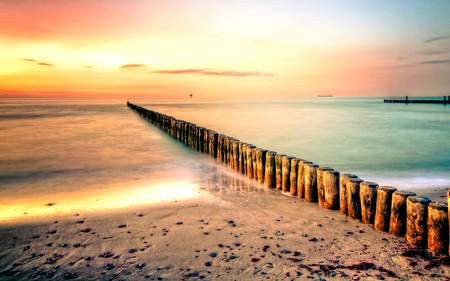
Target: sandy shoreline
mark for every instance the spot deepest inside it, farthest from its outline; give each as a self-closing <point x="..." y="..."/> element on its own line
<point x="233" y="230"/>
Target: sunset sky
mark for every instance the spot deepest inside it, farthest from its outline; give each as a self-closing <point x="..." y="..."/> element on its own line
<point x="224" y="49"/>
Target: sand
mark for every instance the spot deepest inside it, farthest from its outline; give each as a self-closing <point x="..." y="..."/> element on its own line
<point x="233" y="229"/>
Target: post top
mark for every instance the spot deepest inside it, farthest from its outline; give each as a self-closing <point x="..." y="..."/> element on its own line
<point x="355" y="180"/>
<point x="369" y="184"/>
<point x="349" y="176"/>
<point x="389" y="189"/>
<point x="288" y="158"/>
<point x="404" y="193"/>
<point x="438" y="206"/>
<point x="324" y="169"/>
<point x="305" y="162"/>
<point x="419" y="199"/>
<point x="312" y="165"/>
<point x="271" y="153"/>
<point x="281" y="155"/>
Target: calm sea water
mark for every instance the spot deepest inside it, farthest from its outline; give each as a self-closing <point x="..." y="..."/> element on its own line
<point x="59" y="147"/>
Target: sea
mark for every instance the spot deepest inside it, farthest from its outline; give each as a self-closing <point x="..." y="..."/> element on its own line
<point x="78" y="155"/>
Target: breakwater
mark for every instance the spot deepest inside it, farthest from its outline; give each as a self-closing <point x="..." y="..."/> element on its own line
<point x="445" y="100"/>
<point x="401" y="213"/>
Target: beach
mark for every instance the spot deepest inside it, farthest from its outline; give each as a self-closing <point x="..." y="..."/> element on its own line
<point x="92" y="191"/>
<point x="232" y="229"/>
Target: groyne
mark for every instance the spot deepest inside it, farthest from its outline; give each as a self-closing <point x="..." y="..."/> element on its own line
<point x="401" y="213"/>
<point x="445" y="100"/>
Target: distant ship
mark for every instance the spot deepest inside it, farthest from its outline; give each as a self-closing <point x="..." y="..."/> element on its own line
<point x="325" y="96"/>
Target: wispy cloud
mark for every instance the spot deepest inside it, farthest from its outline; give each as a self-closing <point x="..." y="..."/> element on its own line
<point x="434" y="61"/>
<point x="437" y="38"/>
<point x="401" y="58"/>
<point x="28" y="60"/>
<point x="214" y="72"/>
<point x="137" y="65"/>
<point x="435" y="53"/>
<point x="46" y="64"/>
<point x="88" y="66"/>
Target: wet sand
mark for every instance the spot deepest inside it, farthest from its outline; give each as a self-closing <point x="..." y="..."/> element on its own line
<point x="233" y="230"/>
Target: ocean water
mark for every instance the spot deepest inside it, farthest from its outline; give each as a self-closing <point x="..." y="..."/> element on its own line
<point x="81" y="154"/>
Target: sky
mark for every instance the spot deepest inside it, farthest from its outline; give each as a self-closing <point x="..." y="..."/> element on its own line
<point x="224" y="48"/>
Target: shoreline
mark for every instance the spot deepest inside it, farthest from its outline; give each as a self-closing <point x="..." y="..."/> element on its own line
<point x="244" y="230"/>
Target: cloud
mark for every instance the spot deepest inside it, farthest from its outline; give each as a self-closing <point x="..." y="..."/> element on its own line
<point x="437" y="38"/>
<point x="47" y="64"/>
<point x="435" y="61"/>
<point x="88" y="66"/>
<point x="28" y="60"/>
<point x="212" y="72"/>
<point x="434" y="53"/>
<point x="182" y="71"/>
<point x="125" y="66"/>
<point x="401" y="58"/>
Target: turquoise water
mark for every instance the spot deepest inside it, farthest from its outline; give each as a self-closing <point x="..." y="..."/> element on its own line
<point x="61" y="146"/>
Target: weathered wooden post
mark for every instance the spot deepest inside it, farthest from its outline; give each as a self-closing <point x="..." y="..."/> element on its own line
<point x="397" y="224"/>
<point x="269" y="170"/>
<point x="200" y="136"/>
<point x="320" y="187"/>
<point x="383" y="209"/>
<point x="230" y="152"/>
<point x="311" y="182"/>
<point x="250" y="160"/>
<point x="343" y="192"/>
<point x="255" y="163"/>
<point x="236" y="155"/>
<point x="286" y="173"/>
<point x="219" y="147"/>
<point x="261" y="163"/>
<point x="331" y="185"/>
<point x="368" y="195"/>
<point x="301" y="178"/>
<point x="353" y="199"/>
<point x="214" y="142"/>
<point x="293" y="176"/>
<point x="278" y="170"/>
<point x="416" y="220"/>
<point x="242" y="157"/>
<point x="437" y="226"/>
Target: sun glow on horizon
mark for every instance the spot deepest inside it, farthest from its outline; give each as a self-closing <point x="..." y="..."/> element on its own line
<point x="235" y="49"/>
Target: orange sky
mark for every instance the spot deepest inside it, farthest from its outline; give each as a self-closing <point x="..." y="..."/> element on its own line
<point x="225" y="49"/>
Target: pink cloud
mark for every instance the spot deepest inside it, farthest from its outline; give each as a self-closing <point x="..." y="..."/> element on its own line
<point x="212" y="72"/>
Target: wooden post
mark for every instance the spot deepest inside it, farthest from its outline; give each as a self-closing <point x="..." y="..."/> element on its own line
<point x="301" y="178"/>
<point x="286" y="173"/>
<point x="311" y="182"/>
<point x="219" y="147"/>
<point x="201" y="133"/>
<point x="331" y="185"/>
<point x="261" y="163"/>
<point x="242" y="160"/>
<point x="293" y="177"/>
<point x="383" y="209"/>
<point x="397" y="224"/>
<point x="368" y="195"/>
<point x="437" y="225"/>
<point x="255" y="163"/>
<point x="343" y="192"/>
<point x="269" y="170"/>
<point x="353" y="199"/>
<point x="231" y="152"/>
<point x="320" y="187"/>
<point x="250" y="160"/>
<point x="416" y="220"/>
<point x="278" y="170"/>
<point x="236" y="155"/>
<point x="214" y="142"/>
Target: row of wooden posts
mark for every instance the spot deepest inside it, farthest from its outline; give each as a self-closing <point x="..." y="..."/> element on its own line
<point x="401" y="213"/>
